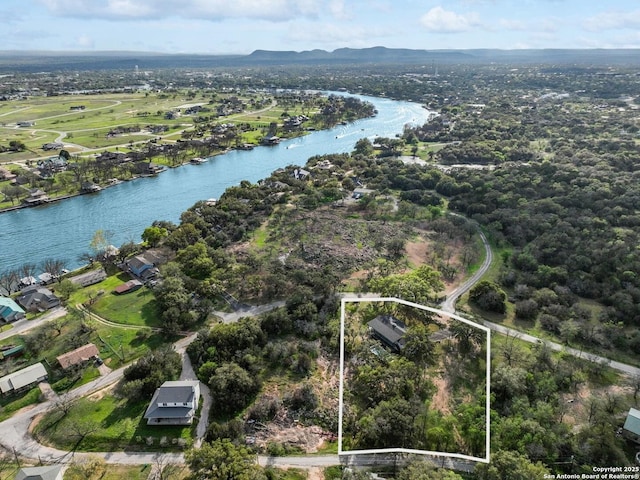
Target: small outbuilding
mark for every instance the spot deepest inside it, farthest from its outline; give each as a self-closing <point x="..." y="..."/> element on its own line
<point x="128" y="287"/>
<point x="631" y="428"/>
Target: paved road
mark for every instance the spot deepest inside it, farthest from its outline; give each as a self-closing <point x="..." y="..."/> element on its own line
<point x="25" y="325"/>
<point x="188" y="373"/>
<point x="449" y="305"/>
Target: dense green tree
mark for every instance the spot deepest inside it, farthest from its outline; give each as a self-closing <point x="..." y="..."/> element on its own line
<point x="488" y="296"/>
<point x="507" y="465"/>
<point x="418" y="347"/>
<point x="222" y="460"/>
<point x="153" y="235"/>
<point x="390" y="424"/>
<point x="425" y="470"/>
<point x="232" y="388"/>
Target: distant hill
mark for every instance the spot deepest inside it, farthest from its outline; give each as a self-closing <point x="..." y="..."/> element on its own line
<point x="36" y="61"/>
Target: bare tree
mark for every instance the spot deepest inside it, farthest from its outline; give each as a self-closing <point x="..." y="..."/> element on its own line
<point x="81" y="428"/>
<point x="63" y="404"/>
<point x="28" y="269"/>
<point x="163" y="469"/>
<point x="54" y="266"/>
<point x="9" y="280"/>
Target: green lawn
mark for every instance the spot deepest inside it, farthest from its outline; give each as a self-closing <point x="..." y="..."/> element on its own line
<point x="135" y="308"/>
<point x="109" y="424"/>
<point x="11" y="404"/>
<point x="119" y="472"/>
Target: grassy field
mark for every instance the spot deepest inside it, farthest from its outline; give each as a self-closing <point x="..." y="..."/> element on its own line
<point x="109" y="424"/>
<point x="88" y="127"/>
<point x="136" y="308"/>
<point x="11" y="404"/>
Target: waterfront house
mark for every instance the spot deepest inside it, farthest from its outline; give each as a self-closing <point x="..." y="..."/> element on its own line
<point x="36" y="298"/>
<point x="23" y="379"/>
<point x="142" y="267"/>
<point x="147" y="168"/>
<point x="10" y="311"/>
<point x="36" y="197"/>
<point x="174" y="403"/>
<point x="389" y="330"/>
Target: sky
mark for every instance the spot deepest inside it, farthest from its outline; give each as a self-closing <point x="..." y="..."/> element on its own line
<point x="242" y="26"/>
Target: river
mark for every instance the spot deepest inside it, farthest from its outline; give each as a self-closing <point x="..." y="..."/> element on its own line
<point x="64" y="229"/>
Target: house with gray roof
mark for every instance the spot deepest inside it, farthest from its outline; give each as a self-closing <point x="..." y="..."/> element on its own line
<point x="389" y="330"/>
<point x="47" y="472"/>
<point x="631" y="428"/>
<point x="36" y="298"/>
<point x="174" y="403"/>
<point x="24" y="378"/>
<point x="141" y="267"/>
<point x="10" y="311"/>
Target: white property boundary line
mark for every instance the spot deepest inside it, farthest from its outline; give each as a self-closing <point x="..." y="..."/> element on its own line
<point x="343" y="303"/>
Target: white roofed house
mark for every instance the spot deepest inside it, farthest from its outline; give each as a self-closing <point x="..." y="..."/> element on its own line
<point x="631" y="428"/>
<point x="22" y="379"/>
<point x="174" y="403"/>
<point x="46" y="472"/>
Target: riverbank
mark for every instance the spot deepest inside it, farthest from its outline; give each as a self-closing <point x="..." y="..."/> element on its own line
<point x="66" y="229"/>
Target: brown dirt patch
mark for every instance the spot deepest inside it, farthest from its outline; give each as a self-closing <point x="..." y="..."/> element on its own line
<point x="417" y="252"/>
<point x="308" y="439"/>
<point x="441" y="398"/>
<point x="577" y="405"/>
<point x="287" y="430"/>
<point x="94" y="397"/>
<point x="34" y="423"/>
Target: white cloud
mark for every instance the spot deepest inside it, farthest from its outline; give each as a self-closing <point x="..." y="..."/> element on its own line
<point x="85" y="41"/>
<point x="613" y="20"/>
<point x="275" y="10"/>
<point x="440" y="20"/>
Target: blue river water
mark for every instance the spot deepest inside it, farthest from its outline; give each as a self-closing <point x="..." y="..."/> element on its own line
<point x="64" y="229"/>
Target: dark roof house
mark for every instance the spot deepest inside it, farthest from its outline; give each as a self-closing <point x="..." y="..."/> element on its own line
<point x="174" y="403"/>
<point x="36" y="298"/>
<point x="142" y="267"/>
<point x="389" y="330"/>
